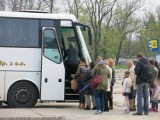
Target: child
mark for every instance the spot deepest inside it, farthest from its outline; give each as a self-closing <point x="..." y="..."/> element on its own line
<point x="126" y="90"/>
<point x="155" y="97"/>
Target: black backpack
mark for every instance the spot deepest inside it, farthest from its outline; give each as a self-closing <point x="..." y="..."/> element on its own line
<point x="146" y="73"/>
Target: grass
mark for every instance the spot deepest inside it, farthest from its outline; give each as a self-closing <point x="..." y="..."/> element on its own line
<point x="121" y="67"/>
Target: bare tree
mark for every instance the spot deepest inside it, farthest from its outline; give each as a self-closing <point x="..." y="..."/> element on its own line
<point x="75" y="7"/>
<point x="98" y="10"/>
<point x="2" y="5"/>
<point x="124" y="21"/>
<point x="39" y="5"/>
<point x="49" y="4"/>
<point x="19" y="5"/>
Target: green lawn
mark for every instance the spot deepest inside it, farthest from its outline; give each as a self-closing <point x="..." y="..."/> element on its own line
<point x="121" y="67"/>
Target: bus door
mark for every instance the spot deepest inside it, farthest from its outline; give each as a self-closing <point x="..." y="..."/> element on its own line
<point x="53" y="72"/>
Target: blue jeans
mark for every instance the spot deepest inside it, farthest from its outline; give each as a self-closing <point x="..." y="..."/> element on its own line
<point x="81" y="94"/>
<point x="142" y="95"/>
<point x="99" y="98"/>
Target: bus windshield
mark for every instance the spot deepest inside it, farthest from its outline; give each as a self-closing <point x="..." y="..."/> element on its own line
<point x="83" y="45"/>
<point x="69" y="35"/>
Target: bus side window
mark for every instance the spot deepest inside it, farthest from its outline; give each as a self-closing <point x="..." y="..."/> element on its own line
<point x="50" y="45"/>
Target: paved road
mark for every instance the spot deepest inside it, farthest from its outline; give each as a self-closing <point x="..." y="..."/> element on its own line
<point x="69" y="111"/>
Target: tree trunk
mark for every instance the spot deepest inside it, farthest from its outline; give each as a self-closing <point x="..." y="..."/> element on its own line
<point x="51" y="6"/>
<point x="118" y="53"/>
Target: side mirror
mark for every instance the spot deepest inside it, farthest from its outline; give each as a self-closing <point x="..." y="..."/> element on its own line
<point x="90" y="36"/>
<point x="83" y="28"/>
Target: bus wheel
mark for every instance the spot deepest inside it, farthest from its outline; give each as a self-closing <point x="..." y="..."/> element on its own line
<point x="22" y="94"/>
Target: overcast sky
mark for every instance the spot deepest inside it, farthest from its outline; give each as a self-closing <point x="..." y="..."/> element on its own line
<point x="148" y="6"/>
<point x="152" y="4"/>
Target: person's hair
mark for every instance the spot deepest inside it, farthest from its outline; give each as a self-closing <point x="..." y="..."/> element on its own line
<point x="152" y="62"/>
<point x="140" y="55"/>
<point x="71" y="44"/>
<point x="127" y="73"/>
<point x="99" y="57"/>
<point x="111" y="62"/>
<point x="92" y="65"/>
<point x="84" y="61"/>
<point x="130" y="62"/>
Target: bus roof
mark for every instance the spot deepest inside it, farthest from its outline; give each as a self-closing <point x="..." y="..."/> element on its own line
<point x="38" y="15"/>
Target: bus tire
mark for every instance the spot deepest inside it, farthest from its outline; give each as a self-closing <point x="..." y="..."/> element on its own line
<point x="22" y="94"/>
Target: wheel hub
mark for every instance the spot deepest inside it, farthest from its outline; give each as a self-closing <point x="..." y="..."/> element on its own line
<point x="23" y="96"/>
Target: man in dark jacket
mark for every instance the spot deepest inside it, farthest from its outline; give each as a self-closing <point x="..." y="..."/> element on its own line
<point x="71" y="58"/>
<point x="142" y="86"/>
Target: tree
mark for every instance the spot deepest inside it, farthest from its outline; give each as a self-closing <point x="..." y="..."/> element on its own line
<point x="18" y="5"/>
<point x="97" y="11"/>
<point x="49" y="5"/>
<point x="75" y="7"/>
<point x="2" y="4"/>
<point x="125" y="23"/>
<point x="150" y="30"/>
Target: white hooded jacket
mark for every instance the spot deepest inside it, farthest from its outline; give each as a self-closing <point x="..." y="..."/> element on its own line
<point x="126" y="87"/>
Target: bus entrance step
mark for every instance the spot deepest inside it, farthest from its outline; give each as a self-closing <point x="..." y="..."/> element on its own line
<point x="69" y="90"/>
<point x="71" y="96"/>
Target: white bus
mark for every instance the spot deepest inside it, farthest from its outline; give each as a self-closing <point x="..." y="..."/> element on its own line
<point x="31" y="56"/>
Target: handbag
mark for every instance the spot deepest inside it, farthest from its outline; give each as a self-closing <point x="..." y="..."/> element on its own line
<point x="95" y="81"/>
<point x="73" y="84"/>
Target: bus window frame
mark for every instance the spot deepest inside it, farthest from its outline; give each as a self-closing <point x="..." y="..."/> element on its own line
<point x="60" y="54"/>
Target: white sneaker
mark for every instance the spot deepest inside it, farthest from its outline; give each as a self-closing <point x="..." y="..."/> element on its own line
<point x="98" y="112"/>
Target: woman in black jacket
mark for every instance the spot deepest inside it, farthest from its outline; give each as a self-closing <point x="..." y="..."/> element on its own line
<point x="88" y="92"/>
